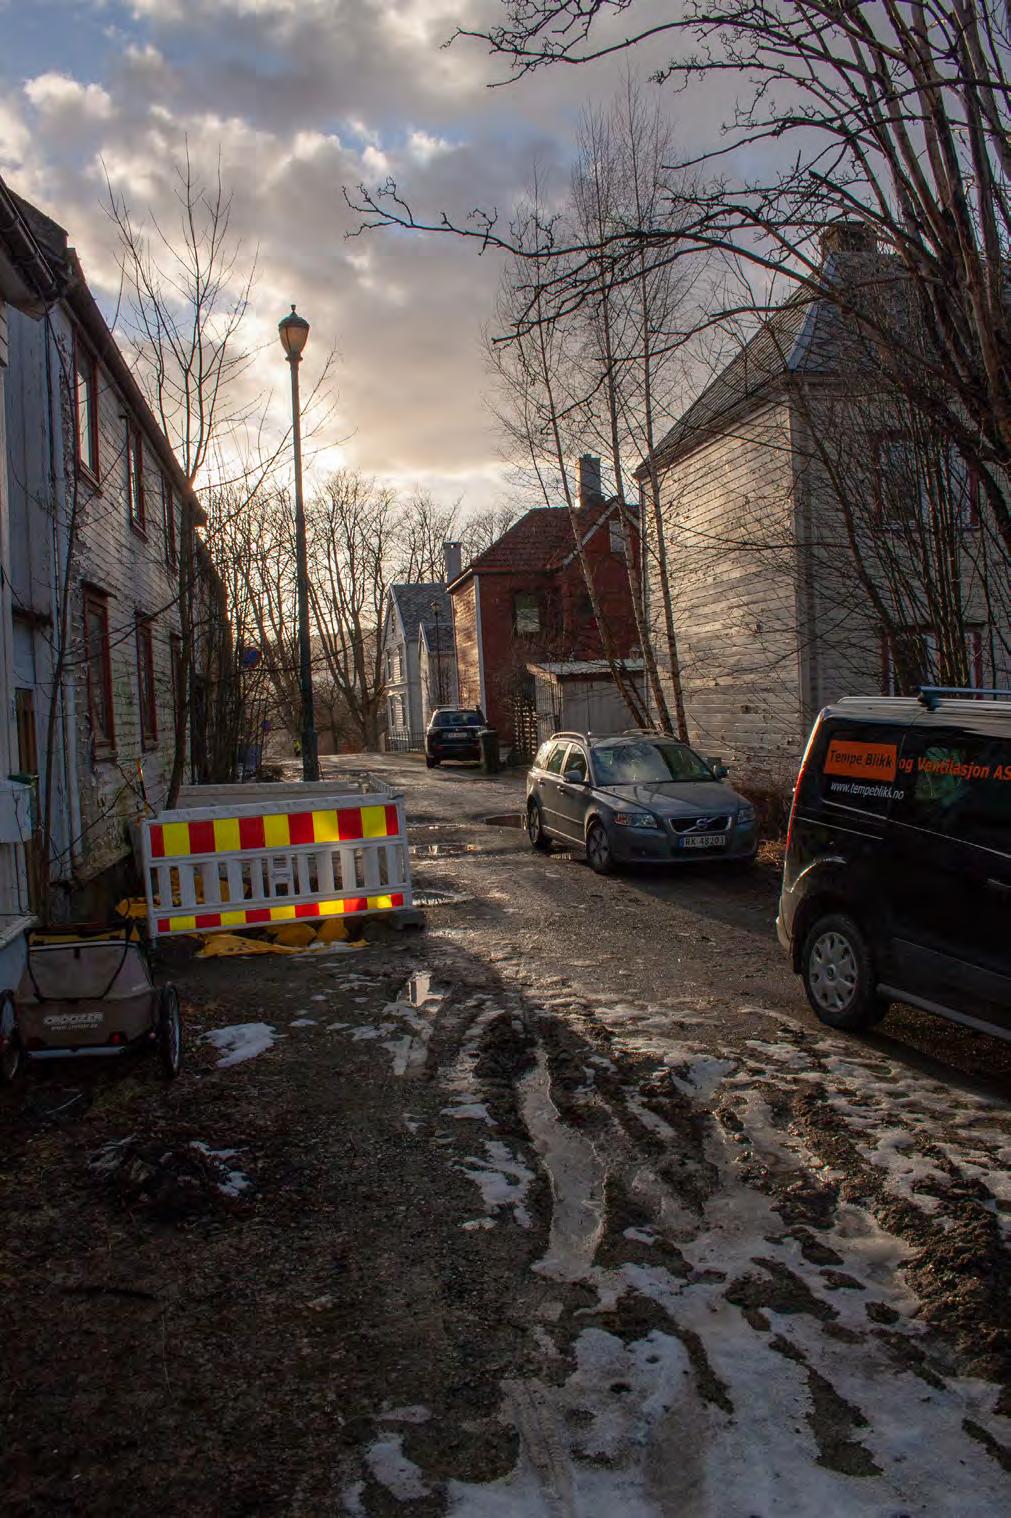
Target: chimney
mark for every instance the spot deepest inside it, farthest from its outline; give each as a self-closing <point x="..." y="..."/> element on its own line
<point x="589" y="480"/>
<point x="452" y="559"/>
<point x="847" y="237"/>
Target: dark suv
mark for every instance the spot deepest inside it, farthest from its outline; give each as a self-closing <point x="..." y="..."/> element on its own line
<point x="897" y="881"/>
<point x="454" y="733"/>
<point x="643" y="798"/>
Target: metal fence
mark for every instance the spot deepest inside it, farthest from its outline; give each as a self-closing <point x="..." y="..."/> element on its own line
<point x="404" y="740"/>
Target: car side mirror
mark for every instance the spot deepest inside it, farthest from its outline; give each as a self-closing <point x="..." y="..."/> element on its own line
<point x="719" y="769"/>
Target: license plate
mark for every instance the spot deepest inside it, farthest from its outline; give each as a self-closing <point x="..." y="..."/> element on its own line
<point x="704" y="841"/>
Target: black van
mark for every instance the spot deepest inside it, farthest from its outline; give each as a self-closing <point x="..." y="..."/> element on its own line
<point x="897" y="881"/>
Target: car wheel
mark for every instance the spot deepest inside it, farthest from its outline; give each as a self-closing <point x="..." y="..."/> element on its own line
<point x="12" y="1056"/>
<point x="839" y="974"/>
<point x="535" y="829"/>
<point x="169" y="1032"/>
<point x="430" y="763"/>
<point x="598" y="849"/>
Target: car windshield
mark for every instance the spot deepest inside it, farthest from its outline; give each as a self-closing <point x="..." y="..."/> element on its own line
<point x="647" y="762"/>
<point x="457" y="719"/>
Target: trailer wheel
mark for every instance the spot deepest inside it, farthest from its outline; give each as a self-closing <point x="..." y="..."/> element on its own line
<point x="169" y="1033"/>
<point x="12" y="1055"/>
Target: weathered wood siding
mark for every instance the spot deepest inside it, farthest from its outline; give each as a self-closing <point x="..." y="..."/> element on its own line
<point x="468" y="671"/>
<point x="728" y="510"/>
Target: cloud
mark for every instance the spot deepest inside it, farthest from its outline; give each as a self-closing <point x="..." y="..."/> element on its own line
<point x="55" y="95"/>
<point x="298" y="99"/>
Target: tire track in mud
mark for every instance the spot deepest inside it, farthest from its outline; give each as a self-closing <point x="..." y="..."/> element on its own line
<point x="721" y="1218"/>
<point x="634" y="1124"/>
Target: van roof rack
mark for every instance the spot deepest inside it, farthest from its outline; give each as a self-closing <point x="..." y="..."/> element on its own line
<point x="931" y="696"/>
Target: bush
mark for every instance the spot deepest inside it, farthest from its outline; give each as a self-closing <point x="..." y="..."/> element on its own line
<point x="772" y="803"/>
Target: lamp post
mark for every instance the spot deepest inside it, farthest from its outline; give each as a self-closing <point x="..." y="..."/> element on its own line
<point x="293" y="330"/>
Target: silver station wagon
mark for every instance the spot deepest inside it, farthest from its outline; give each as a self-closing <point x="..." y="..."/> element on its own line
<point x="643" y="798"/>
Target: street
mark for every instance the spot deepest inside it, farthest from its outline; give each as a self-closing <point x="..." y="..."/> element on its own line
<point x="563" y="1207"/>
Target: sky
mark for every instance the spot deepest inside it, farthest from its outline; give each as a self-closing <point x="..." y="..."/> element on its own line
<point x="302" y="98"/>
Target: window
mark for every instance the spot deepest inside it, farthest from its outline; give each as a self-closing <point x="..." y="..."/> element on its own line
<point x="575" y="765"/>
<point x="918" y="481"/>
<point x="169" y="516"/>
<point x="616" y="537"/>
<point x="857" y="766"/>
<point x="99" y="673"/>
<point x="909" y="659"/>
<point x="145" y="683"/>
<point x="28" y="751"/>
<point x="86" y="371"/>
<point x="554" y="764"/>
<point x="135" y="477"/>
<point x="960" y="786"/>
<point x="176" y="661"/>
<point x="526" y="614"/>
<point x="644" y="761"/>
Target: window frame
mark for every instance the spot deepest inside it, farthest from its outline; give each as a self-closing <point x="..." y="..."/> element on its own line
<point x="147" y="694"/>
<point x="86" y="368"/>
<point x="974" y="632"/>
<point x="531" y="596"/>
<point x="136" y="511"/>
<point x="616" y="536"/>
<point x="168" y="502"/>
<point x="96" y="602"/>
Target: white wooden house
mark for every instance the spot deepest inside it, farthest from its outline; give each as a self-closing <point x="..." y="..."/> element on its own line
<point x="95" y="507"/>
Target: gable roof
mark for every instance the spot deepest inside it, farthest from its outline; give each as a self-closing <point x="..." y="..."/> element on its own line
<point x="806" y="335"/>
<point x="540" y="541"/>
<point x="414" y="605"/>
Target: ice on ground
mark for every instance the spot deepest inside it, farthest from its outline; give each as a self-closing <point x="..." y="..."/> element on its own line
<point x="392" y="1469"/>
<point x="415" y="1413"/>
<point x="302" y="1022"/>
<point x="703" y="1074"/>
<point x="473" y="1224"/>
<point x="475" y="1110"/>
<point x="241" y="1041"/>
<point x="502" y="1179"/>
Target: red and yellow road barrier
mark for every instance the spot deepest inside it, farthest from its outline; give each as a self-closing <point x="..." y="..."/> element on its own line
<point x="204" y="922"/>
<point x="274" y="830"/>
<point x="277" y="860"/>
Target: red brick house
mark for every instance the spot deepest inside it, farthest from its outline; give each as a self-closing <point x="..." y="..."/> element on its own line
<point x="524" y="601"/>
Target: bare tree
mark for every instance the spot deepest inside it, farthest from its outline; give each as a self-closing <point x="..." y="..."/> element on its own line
<point x="896" y="116"/>
<point x="353" y="531"/>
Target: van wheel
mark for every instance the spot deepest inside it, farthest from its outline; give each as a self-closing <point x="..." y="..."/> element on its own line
<point x="535" y="829"/>
<point x="839" y="974"/>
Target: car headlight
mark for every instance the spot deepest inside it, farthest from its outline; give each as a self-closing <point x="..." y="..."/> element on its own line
<point x="745" y="814"/>
<point x="636" y="820"/>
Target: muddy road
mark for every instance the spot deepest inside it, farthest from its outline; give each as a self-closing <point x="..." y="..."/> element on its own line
<point x="564" y="1208"/>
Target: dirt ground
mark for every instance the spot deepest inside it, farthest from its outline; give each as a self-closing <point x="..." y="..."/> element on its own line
<point x="564" y="1207"/>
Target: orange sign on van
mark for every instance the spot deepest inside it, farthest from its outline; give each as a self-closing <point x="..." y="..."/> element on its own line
<point x="864" y="761"/>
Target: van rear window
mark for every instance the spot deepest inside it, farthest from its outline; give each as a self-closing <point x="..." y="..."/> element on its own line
<point x="856" y="765"/>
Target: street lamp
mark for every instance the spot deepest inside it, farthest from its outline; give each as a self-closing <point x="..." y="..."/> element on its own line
<point x="293" y="331"/>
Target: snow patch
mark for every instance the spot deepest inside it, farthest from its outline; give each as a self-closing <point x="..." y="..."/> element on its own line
<point x="240" y="1042"/>
<point x="502" y="1179"/>
<point x="392" y="1469"/>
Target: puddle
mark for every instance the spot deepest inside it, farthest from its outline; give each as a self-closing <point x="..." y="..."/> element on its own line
<point x="506" y="820"/>
<point x="576" y="1174"/>
<point x="443" y="850"/>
